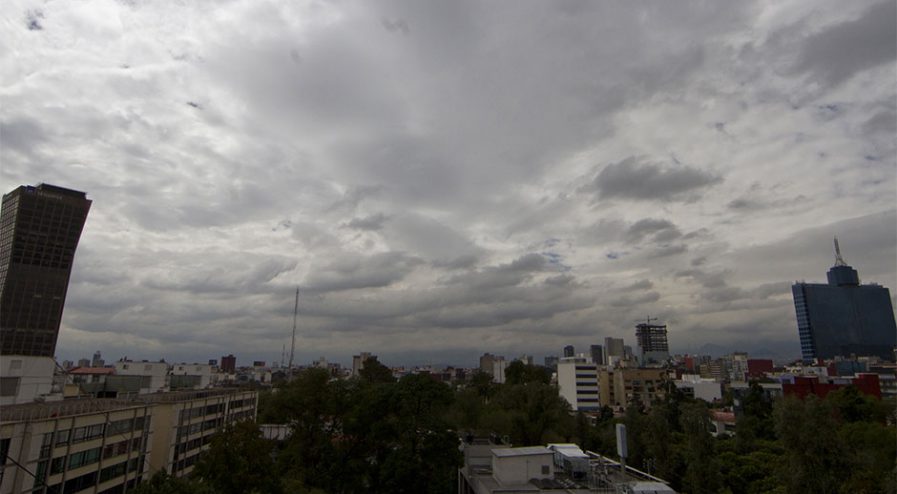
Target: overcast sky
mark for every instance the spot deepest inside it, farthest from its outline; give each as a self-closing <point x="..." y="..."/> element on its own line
<point x="442" y="179"/>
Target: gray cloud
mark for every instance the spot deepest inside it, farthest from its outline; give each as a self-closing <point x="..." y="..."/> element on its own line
<point x="634" y="178"/>
<point x="659" y="230"/>
<point x="844" y="49"/>
<point x="639" y="285"/>
<point x="369" y="223"/>
<point x="355" y="272"/>
<point x="426" y="172"/>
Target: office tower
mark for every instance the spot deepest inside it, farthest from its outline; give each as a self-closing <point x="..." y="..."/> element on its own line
<point x="613" y="350"/>
<point x="97" y="360"/>
<point x="597" y="352"/>
<point x="652" y="343"/>
<point x="844" y="317"/>
<point x="39" y="231"/>
<point x="229" y="364"/>
<point x="551" y="362"/>
<point x="569" y="351"/>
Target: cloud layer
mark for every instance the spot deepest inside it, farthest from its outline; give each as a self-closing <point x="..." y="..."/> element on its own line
<point x="441" y="180"/>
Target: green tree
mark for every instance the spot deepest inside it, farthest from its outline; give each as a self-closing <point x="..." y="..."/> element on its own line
<point x="755" y="422"/>
<point x="814" y="454"/>
<point x="239" y="461"/>
<point x="374" y="372"/>
<point x="534" y="410"/>
<point x="519" y="373"/>
<point x="870" y="449"/>
<point x="482" y="383"/>
<point x="851" y="405"/>
<point x="162" y="483"/>
<point x="701" y="472"/>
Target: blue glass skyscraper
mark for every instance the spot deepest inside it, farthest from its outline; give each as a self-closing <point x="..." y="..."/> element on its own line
<point x="844" y="317"/>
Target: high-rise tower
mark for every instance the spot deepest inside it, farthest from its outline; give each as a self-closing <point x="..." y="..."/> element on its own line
<point x="39" y="231"/>
<point x="652" y="342"/>
<point x="844" y="317"/>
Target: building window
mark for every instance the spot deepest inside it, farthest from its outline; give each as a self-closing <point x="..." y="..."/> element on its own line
<point x="546" y="470"/>
<point x="9" y="386"/>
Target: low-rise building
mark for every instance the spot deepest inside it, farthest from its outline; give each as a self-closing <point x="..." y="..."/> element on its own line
<point x="24" y="378"/>
<point x="191" y="376"/>
<point x="154" y="374"/>
<point x="492" y="469"/>
<point x="695" y="386"/>
<point x="621" y="387"/>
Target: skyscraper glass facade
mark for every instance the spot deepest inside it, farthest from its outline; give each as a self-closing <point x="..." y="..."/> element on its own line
<point x="844" y="317"/>
<point x="39" y="230"/>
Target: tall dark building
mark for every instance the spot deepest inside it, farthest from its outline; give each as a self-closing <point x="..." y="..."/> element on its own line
<point x="39" y="231"/>
<point x="569" y="351"/>
<point x="229" y="363"/>
<point x="844" y="317"/>
<point x="597" y="352"/>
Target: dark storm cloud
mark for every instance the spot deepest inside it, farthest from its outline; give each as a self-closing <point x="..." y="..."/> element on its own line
<point x="669" y="250"/>
<point x="460" y="262"/>
<point x="514" y="273"/>
<point x="352" y="272"/>
<point x="21" y="134"/>
<point x="884" y="122"/>
<point x="629" y="301"/>
<point x="659" y="230"/>
<point x="635" y="178"/>
<point x="639" y="285"/>
<point x="839" y="51"/>
<point x="420" y="168"/>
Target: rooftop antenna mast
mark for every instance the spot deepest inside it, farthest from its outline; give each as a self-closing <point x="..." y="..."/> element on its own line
<point x="839" y="261"/>
<point x="293" y="341"/>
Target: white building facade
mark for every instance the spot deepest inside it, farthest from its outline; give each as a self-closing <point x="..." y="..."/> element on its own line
<point x="578" y="383"/>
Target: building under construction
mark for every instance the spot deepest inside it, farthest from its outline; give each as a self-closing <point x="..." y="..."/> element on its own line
<point x="652" y="342"/>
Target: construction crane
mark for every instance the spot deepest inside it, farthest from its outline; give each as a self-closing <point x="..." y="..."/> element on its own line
<point x="648" y="320"/>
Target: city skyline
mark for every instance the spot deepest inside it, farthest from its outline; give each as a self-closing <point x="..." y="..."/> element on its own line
<point x="445" y="183"/>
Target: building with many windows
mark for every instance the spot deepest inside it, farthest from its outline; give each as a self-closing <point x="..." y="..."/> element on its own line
<point x="622" y="387"/>
<point x="184" y="423"/>
<point x="577" y="380"/>
<point x="652" y="343"/>
<point x="74" y="445"/>
<point x="109" y="445"/>
<point x="844" y="317"/>
<point x="39" y="231"/>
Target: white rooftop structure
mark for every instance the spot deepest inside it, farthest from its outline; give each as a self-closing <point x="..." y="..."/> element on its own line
<point x="526" y="451"/>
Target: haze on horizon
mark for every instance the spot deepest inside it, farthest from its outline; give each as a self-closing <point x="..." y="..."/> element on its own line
<point x="445" y="179"/>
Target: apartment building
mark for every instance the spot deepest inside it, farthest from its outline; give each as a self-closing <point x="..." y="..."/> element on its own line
<point x="624" y="386"/>
<point x="100" y="446"/>
<point x="184" y="423"/>
<point x="106" y="446"/>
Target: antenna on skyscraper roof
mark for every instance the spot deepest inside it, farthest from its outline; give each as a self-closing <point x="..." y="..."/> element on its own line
<point x="839" y="261"/>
